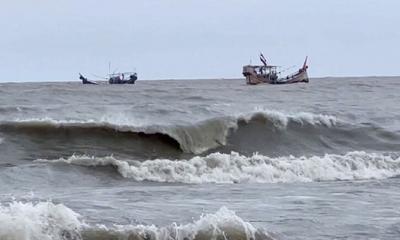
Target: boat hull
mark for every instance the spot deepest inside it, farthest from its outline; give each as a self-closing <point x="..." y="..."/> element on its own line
<point x="122" y="82"/>
<point x="253" y="78"/>
<point x="299" y="77"/>
<point x="118" y="80"/>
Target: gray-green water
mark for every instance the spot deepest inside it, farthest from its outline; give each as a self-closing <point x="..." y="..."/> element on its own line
<point x="301" y="161"/>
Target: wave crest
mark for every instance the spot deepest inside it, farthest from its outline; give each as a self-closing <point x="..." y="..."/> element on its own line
<point x="236" y="168"/>
<point x="48" y="221"/>
<point x="281" y="120"/>
<point x="191" y="138"/>
<point x="224" y="224"/>
<point x="44" y="220"/>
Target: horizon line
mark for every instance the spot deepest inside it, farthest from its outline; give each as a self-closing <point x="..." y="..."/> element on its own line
<point x="200" y="79"/>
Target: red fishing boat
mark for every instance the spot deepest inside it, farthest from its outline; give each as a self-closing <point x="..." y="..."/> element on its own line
<point x="257" y="74"/>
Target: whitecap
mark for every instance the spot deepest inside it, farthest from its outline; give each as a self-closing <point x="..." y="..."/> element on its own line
<point x="236" y="168"/>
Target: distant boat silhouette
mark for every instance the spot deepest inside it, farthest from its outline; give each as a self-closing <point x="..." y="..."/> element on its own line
<point x="115" y="78"/>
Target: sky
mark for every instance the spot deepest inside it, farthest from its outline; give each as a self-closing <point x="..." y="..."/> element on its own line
<point x="54" y="40"/>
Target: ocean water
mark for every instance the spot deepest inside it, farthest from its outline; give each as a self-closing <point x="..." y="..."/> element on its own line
<point x="200" y="159"/>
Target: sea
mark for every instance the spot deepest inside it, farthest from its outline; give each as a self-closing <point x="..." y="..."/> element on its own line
<point x="200" y="159"/>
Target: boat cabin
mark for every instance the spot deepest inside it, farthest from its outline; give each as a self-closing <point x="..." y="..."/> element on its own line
<point x="122" y="78"/>
<point x="256" y="74"/>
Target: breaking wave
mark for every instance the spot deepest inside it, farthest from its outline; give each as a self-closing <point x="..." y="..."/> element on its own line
<point x="44" y="220"/>
<point x="236" y="168"/>
<point x="48" y="221"/>
<point x="191" y="138"/>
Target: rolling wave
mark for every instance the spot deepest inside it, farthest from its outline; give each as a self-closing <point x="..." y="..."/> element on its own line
<point x="48" y="221"/>
<point x="270" y="133"/>
<point x="236" y="168"/>
<point x="191" y="138"/>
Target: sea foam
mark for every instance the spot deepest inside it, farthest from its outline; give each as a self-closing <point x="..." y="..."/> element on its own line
<point x="49" y="221"/>
<point x="236" y="168"/>
<point x="44" y="221"/>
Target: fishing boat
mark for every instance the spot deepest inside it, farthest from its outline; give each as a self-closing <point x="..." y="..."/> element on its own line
<point x="258" y="74"/>
<point x="119" y="78"/>
<point x="115" y="78"/>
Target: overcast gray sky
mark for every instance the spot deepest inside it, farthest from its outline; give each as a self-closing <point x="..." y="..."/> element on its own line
<point x="45" y="40"/>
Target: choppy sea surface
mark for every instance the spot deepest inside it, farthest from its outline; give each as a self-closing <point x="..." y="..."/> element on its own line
<point x="210" y="159"/>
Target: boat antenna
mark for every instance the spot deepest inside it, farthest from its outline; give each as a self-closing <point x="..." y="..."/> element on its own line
<point x="109" y="68"/>
<point x="263" y="59"/>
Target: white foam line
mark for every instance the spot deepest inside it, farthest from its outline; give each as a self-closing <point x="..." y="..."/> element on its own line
<point x="49" y="221"/>
<point x="45" y="221"/>
<point x="236" y="168"/>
